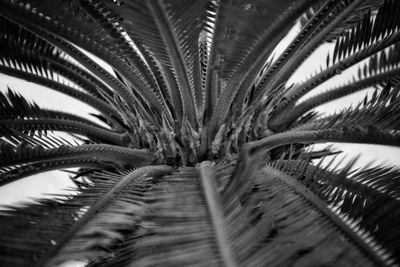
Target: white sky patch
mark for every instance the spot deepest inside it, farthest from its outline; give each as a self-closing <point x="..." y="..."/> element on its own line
<point x="73" y="263"/>
<point x="36" y="186"/>
<point x="45" y="97"/>
<point x="281" y="46"/>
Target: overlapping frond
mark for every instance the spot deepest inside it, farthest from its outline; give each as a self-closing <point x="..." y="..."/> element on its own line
<point x="170" y="32"/>
<point x="370" y="36"/>
<point x="380" y="71"/>
<point x="367" y="199"/>
<point x="17" y="113"/>
<point x="25" y="55"/>
<point x="247" y="228"/>
<point x="22" y="155"/>
<point x="195" y="85"/>
<point x="79" y="227"/>
<point x="380" y="111"/>
<point x="243" y="60"/>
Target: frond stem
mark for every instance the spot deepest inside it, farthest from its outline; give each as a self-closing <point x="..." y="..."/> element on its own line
<point x="216" y="213"/>
<point x="76" y="127"/>
<point x="298" y="91"/>
<point x="17" y="173"/>
<point x="352" y="235"/>
<point x="341" y="135"/>
<point x="62" y="88"/>
<point x="101" y="203"/>
<point x="304" y="49"/>
<point x="178" y="60"/>
<point x="283" y="119"/>
<point x="107" y="153"/>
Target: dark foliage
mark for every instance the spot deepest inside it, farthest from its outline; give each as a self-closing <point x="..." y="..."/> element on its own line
<point x="202" y="157"/>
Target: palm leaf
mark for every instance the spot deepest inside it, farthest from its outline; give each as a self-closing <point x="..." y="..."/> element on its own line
<point x="258" y="52"/>
<point x="375" y="73"/>
<point x="23" y="155"/>
<point x="367" y="199"/>
<point x="24" y="46"/>
<point x="212" y="233"/>
<point x="373" y="35"/>
<point x="198" y="101"/>
<point x="80" y="220"/>
<point x="19" y="114"/>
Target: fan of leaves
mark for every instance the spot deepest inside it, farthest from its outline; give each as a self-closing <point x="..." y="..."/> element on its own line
<point x="202" y="155"/>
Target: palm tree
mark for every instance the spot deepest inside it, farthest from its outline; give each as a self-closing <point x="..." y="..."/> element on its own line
<point x="203" y="157"/>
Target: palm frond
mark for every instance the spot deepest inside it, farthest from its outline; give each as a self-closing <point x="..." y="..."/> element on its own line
<point x="82" y="221"/>
<point x="41" y="76"/>
<point x="195" y="95"/>
<point x="17" y="113"/>
<point x="366" y="42"/>
<point x="154" y="25"/>
<point x="367" y="199"/>
<point x="239" y="56"/>
<point x="379" y="112"/>
<point x="25" y="46"/>
<point x="22" y="155"/>
<point x="216" y="232"/>
<point x="314" y="133"/>
<point x="329" y="15"/>
<point x="357" y="236"/>
<point x="19" y="14"/>
<point x="380" y="69"/>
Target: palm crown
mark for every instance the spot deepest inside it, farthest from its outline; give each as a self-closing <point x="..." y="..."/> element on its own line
<point x="202" y="158"/>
